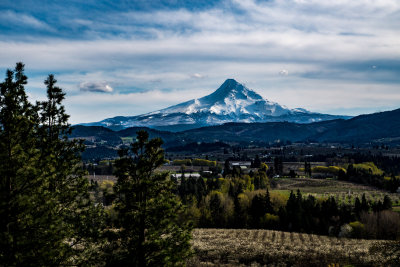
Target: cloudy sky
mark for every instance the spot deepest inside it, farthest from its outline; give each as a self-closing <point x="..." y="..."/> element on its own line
<point x="132" y="57"/>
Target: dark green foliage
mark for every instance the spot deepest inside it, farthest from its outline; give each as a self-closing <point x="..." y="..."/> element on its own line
<point x="217" y="210"/>
<point x="292" y="174"/>
<point x="241" y="216"/>
<point x="278" y="165"/>
<point x="151" y="232"/>
<point x="357" y="207"/>
<point x="99" y="152"/>
<point x="46" y="216"/>
<point x="260" y="180"/>
<point x="368" y="177"/>
<point x="20" y="177"/>
<point x="387" y="203"/>
<point x="256" y="162"/>
<point x="260" y="205"/>
<point x="293" y="211"/>
<point x="192" y="187"/>
<point x="307" y="168"/>
<point x="364" y="204"/>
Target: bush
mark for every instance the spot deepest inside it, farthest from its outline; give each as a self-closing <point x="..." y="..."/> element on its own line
<point x="269" y="220"/>
<point x="204" y="162"/>
<point x="334" y="170"/>
<point x="368" y="167"/>
<point x="179" y="162"/>
<point x="346" y="231"/>
<point x="358" y="229"/>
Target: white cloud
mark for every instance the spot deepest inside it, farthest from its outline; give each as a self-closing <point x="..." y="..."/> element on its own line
<point x="94" y="107"/>
<point x="316" y="40"/>
<point x="284" y="72"/>
<point x="12" y="17"/>
<point x="102" y="87"/>
<point x="198" y="76"/>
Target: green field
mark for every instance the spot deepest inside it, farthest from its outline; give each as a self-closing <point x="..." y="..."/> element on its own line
<point x="323" y="188"/>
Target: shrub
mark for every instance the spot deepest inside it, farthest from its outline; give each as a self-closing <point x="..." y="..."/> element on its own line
<point x="358" y="229"/>
<point x="179" y="162"/>
<point x="269" y="220"/>
<point x="346" y="231"/>
<point x="204" y="162"/>
<point x="368" y="167"/>
<point x="334" y="170"/>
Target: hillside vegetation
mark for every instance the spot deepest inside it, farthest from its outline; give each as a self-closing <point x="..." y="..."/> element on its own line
<point x="360" y="130"/>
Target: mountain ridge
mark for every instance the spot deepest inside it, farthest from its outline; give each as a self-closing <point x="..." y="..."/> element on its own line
<point x="231" y="102"/>
<point x="376" y="128"/>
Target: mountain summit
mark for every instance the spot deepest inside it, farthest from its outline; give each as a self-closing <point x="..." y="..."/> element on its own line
<point x="231" y="102"/>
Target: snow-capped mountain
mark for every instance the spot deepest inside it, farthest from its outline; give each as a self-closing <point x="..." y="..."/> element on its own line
<point x="231" y="102"/>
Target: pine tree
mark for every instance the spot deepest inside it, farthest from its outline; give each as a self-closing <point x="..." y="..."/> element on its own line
<point x="260" y="205"/>
<point x="357" y="207"/>
<point x="151" y="233"/>
<point x="43" y="202"/>
<point x="364" y="204"/>
<point x="227" y="168"/>
<point x="75" y="219"/>
<point x="294" y="211"/>
<point x="20" y="177"/>
<point x="387" y="203"/>
<point x="257" y="162"/>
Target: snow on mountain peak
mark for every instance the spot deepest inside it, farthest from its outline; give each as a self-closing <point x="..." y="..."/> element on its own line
<point x="231" y="102"/>
<point x="232" y="89"/>
<point x="231" y="98"/>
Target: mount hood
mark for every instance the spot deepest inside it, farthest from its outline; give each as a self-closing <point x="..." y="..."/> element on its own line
<point x="231" y="102"/>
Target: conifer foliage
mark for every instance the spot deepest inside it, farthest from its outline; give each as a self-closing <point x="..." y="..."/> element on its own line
<point x="151" y="230"/>
<point x="46" y="217"/>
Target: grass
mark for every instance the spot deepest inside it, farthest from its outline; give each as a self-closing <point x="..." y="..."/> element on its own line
<point x="237" y="247"/>
<point x="324" y="188"/>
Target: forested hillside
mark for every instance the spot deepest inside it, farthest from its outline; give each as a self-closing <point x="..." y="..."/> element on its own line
<point x="364" y="130"/>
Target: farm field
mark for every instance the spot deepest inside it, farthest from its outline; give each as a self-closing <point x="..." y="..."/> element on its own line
<point x="237" y="247"/>
<point x="342" y="191"/>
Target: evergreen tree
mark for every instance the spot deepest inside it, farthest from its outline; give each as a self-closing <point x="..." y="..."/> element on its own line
<point x="278" y="164"/>
<point x="364" y="204"/>
<point x="151" y="233"/>
<point x="44" y="206"/>
<point x="257" y="162"/>
<point x="387" y="203"/>
<point x="200" y="189"/>
<point x="217" y="210"/>
<point x="260" y="205"/>
<point x="20" y="204"/>
<point x="307" y="168"/>
<point x="240" y="212"/>
<point x="294" y="211"/>
<point x="76" y="218"/>
<point x="357" y="207"/>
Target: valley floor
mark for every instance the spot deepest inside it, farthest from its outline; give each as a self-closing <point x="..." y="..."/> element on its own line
<point x="343" y="192"/>
<point x="238" y="247"/>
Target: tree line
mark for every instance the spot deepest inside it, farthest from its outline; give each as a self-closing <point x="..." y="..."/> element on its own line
<point x="48" y="216"/>
<point x="236" y="202"/>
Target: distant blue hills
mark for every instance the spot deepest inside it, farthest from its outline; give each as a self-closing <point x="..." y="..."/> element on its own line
<point x="376" y="128"/>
